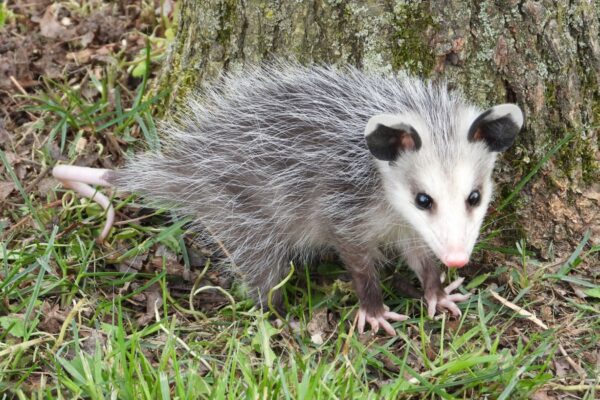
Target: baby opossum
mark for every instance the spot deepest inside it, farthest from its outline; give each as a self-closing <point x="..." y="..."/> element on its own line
<point x="283" y="161"/>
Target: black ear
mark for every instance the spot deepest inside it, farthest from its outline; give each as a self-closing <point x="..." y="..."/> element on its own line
<point x="388" y="136"/>
<point x="497" y="127"/>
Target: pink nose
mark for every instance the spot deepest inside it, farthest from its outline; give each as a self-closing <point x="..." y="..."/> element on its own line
<point x="456" y="260"/>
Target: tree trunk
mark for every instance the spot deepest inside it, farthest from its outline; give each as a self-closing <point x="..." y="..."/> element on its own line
<point x="543" y="55"/>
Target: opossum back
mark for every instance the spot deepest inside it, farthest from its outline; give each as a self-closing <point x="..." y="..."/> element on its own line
<point x="275" y="148"/>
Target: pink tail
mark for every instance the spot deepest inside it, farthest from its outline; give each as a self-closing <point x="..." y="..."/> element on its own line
<point x="79" y="179"/>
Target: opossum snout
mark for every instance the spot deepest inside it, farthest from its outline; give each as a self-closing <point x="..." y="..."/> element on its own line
<point x="455" y="259"/>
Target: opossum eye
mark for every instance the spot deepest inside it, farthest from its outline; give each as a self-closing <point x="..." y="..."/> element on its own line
<point x="474" y="198"/>
<point x="423" y="201"/>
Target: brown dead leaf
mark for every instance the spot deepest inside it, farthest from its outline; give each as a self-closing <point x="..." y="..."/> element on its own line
<point x="389" y="364"/>
<point x="578" y="290"/>
<point x="561" y="367"/>
<point x="53" y="318"/>
<point x="21" y="171"/>
<point x="546" y="313"/>
<point x="6" y="188"/>
<point x="153" y="300"/>
<point x="46" y="185"/>
<point x="320" y="326"/>
<point x="106" y="28"/>
<point x="81" y="144"/>
<point x="11" y="157"/>
<point x="86" y="39"/>
<point x="3" y="133"/>
<point x="593" y="358"/>
<point x="93" y="339"/>
<point x="163" y="257"/>
<point x="50" y="27"/>
<point x="542" y="395"/>
<point x="133" y="264"/>
<point x="80" y="57"/>
<point x="593" y="192"/>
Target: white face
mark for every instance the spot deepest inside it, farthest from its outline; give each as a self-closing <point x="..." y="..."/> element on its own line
<point x="437" y="172"/>
<point x="444" y="203"/>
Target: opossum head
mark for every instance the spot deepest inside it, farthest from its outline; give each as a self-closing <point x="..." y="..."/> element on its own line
<point x="436" y="171"/>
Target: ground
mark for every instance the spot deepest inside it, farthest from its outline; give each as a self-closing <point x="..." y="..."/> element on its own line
<point x="151" y="313"/>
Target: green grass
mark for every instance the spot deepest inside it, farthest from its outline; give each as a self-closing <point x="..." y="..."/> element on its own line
<point x="134" y="319"/>
<point x="99" y="348"/>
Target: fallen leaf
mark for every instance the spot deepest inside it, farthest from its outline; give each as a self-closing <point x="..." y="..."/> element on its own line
<point x="94" y="339"/>
<point x="53" y="318"/>
<point x="133" y="264"/>
<point x="593" y="192"/>
<point x="163" y="257"/>
<point x="542" y="395"/>
<point x="6" y="188"/>
<point x="80" y="145"/>
<point x="46" y="185"/>
<point x="3" y="133"/>
<point x="317" y="339"/>
<point x="86" y="39"/>
<point x="11" y="157"/>
<point x="578" y="291"/>
<point x="50" y="27"/>
<point x="153" y="300"/>
<point x="561" y="368"/>
<point x="80" y="57"/>
<point x="320" y="326"/>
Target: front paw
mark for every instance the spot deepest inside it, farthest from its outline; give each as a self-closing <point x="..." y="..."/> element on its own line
<point x="377" y="320"/>
<point x="442" y="299"/>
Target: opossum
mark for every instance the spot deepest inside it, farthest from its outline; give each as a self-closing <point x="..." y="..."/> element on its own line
<point x="283" y="161"/>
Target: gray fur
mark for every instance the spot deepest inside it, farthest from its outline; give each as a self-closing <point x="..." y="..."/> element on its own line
<point x="273" y="161"/>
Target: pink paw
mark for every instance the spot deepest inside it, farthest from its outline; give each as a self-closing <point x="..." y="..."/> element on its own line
<point x="377" y="321"/>
<point x="444" y="300"/>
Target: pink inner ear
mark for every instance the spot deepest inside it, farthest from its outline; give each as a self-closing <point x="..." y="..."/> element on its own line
<point x="477" y="135"/>
<point x="407" y="142"/>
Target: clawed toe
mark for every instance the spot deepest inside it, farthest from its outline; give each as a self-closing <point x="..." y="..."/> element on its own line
<point x="446" y="301"/>
<point x="454" y="285"/>
<point x="378" y="321"/>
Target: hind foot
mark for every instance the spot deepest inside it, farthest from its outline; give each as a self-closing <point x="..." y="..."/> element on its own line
<point x="442" y="299"/>
<point x="378" y="320"/>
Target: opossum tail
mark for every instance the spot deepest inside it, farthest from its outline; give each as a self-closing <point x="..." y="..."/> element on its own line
<point x="79" y="179"/>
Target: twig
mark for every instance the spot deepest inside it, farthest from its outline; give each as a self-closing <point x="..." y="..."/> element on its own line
<point x="574" y="388"/>
<point x="572" y="363"/>
<point x="129" y="221"/>
<point x="24" y="345"/>
<point x="22" y="221"/>
<point x="17" y="85"/>
<point x="520" y="310"/>
<point x="25" y="219"/>
<point x="63" y="330"/>
<point x="37" y="179"/>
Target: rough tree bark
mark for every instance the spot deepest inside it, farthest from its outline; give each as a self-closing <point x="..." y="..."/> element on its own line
<point x="544" y="55"/>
